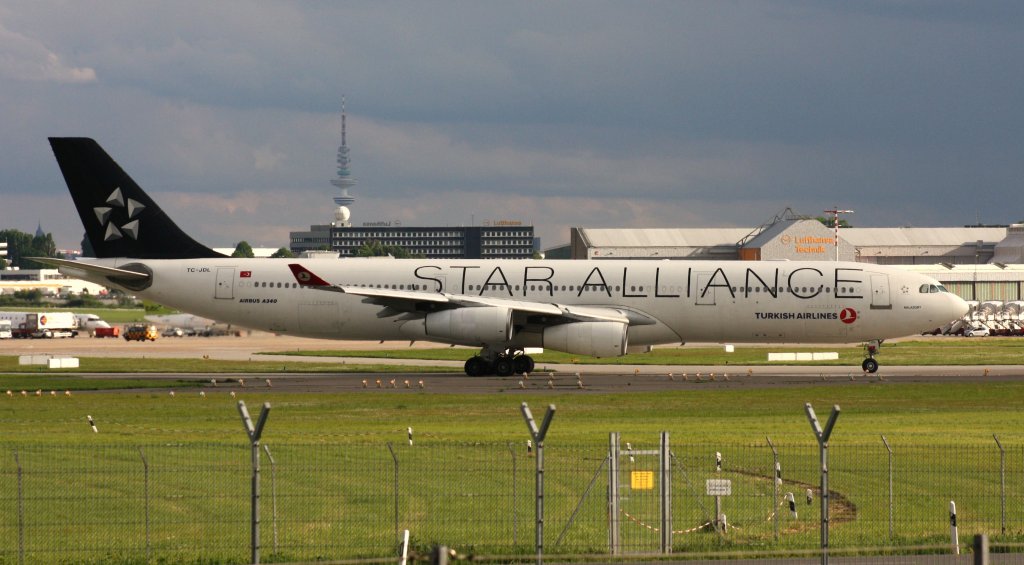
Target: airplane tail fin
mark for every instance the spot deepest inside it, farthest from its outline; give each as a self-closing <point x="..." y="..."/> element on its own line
<point x="120" y="219"/>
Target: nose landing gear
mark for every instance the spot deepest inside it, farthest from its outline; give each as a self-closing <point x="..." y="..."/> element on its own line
<point x="870" y="350"/>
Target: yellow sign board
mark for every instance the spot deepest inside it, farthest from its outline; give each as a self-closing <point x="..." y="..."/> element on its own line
<point x="641" y="480"/>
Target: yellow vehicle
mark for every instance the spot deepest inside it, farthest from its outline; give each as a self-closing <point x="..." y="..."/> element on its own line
<point x="140" y="333"/>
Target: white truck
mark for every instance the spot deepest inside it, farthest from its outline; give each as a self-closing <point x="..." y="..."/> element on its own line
<point x="5" y="329"/>
<point x="41" y="324"/>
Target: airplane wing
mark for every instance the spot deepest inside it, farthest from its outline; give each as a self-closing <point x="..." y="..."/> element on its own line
<point x="409" y="299"/>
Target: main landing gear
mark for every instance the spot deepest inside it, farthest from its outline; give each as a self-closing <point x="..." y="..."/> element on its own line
<point x="870" y="350"/>
<point x="502" y="363"/>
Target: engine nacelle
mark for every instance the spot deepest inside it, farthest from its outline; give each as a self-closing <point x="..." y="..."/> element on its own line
<point x="598" y="339"/>
<point x="485" y="324"/>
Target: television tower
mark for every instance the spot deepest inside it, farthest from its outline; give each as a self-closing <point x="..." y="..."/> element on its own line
<point x="344" y="180"/>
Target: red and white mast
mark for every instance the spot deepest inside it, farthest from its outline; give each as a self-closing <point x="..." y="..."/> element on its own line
<point x="835" y="223"/>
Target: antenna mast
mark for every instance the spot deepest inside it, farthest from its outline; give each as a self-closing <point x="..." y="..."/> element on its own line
<point x="835" y="223"/>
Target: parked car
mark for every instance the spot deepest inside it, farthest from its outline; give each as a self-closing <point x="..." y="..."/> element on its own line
<point x="981" y="331"/>
<point x="173" y="332"/>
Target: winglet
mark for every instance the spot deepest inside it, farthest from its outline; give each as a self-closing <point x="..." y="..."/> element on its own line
<point x="306" y="277"/>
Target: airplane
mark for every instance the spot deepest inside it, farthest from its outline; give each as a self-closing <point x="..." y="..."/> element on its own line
<point x="90" y="322"/>
<point x="183" y="320"/>
<point x="601" y="308"/>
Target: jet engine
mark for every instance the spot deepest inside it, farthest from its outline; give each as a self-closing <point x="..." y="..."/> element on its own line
<point x="485" y="324"/>
<point x="598" y="339"/>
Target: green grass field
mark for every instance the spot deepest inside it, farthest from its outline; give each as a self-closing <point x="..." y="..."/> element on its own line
<point x="335" y="472"/>
<point x="86" y="494"/>
<point x="906" y="413"/>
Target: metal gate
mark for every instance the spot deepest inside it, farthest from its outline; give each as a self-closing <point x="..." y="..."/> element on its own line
<point x="639" y="498"/>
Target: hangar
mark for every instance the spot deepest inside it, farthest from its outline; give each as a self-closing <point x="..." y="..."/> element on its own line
<point x="976" y="262"/>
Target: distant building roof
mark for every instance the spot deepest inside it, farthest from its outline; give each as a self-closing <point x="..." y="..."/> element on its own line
<point x="890" y="237"/>
<point x="663" y="237"/>
<point x="258" y="252"/>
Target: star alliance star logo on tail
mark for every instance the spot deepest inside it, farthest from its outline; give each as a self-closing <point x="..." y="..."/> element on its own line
<point x="104" y="214"/>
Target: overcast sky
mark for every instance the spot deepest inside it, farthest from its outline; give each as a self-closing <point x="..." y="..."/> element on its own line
<point x="598" y="114"/>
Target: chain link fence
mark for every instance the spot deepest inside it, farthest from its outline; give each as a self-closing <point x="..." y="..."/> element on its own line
<point x="191" y="502"/>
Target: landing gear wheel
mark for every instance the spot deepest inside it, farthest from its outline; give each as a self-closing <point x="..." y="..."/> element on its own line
<point x="523" y="364"/>
<point x="869" y="365"/>
<point x="477" y="366"/>
<point x="503" y="366"/>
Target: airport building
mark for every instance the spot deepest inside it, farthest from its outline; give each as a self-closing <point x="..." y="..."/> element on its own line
<point x="502" y="239"/>
<point x="976" y="262"/>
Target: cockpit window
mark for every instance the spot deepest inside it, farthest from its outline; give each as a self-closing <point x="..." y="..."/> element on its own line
<point x="932" y="288"/>
<point x="942" y="288"/>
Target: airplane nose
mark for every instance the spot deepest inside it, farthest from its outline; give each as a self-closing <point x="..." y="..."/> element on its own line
<point x="958" y="307"/>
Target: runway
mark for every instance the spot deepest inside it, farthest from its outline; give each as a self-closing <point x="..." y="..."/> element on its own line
<point x="579" y="379"/>
<point x="561" y="378"/>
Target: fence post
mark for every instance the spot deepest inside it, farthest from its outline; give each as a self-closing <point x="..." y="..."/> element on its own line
<point x="145" y="494"/>
<point x="21" y="513"/>
<point x="666" y="496"/>
<point x="613" y="492"/>
<point x="394" y="458"/>
<point x="775" y="481"/>
<point x="953" y="531"/>
<point x="980" y="549"/>
<point x="273" y="490"/>
<point x="889" y="449"/>
<point x="254" y="433"/>
<point x="822" y="436"/>
<point x="1002" y="485"/>
<point x="538" y="438"/>
<point x="515" y="500"/>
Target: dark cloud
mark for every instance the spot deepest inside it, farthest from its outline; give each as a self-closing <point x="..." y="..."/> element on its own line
<point x="722" y="113"/>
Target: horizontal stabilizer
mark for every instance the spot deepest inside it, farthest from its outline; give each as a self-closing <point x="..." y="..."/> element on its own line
<point x="81" y="268"/>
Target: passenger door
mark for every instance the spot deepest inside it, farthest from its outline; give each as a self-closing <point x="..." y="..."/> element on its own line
<point x="880" y="292"/>
<point x="225" y="283"/>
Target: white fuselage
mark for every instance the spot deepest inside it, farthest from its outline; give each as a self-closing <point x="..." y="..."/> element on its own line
<point x="681" y="301"/>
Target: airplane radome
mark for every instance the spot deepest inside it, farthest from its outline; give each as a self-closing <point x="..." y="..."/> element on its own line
<point x="600" y="308"/>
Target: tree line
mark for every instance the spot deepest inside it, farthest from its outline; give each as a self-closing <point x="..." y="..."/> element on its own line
<point x="21" y="245"/>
